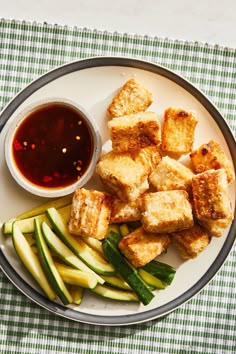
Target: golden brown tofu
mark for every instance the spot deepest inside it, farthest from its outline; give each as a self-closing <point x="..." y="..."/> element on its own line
<point x="132" y="98"/>
<point x="148" y="156"/>
<point x="178" y="131"/>
<point x="123" y="176"/>
<point x="217" y="227"/>
<point x="141" y="247"/>
<point x="134" y="132"/>
<point x="190" y="243"/>
<point x="90" y="213"/>
<point x="211" y="156"/>
<point x="211" y="195"/>
<point x="167" y="211"/>
<point x="122" y="212"/>
<point x="171" y="174"/>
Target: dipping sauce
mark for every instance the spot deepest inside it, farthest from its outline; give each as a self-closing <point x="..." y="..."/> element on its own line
<point x="52" y="147"/>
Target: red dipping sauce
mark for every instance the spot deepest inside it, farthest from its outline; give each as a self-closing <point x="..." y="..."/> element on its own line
<point x="53" y="146"/>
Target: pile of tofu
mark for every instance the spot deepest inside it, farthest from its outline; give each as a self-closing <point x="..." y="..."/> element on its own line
<point x="144" y="180"/>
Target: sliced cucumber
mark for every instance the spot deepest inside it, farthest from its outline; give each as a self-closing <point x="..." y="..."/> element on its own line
<point x="129" y="274"/>
<point x="76" y="294"/>
<point x="63" y="252"/>
<point x="124" y="230"/>
<point x="92" y="258"/>
<point x="31" y="262"/>
<point x="113" y="227"/>
<point x="93" y="243"/>
<point x="49" y="266"/>
<point x="160" y="270"/>
<point x="116" y="281"/>
<point x="76" y="277"/>
<point x="30" y="239"/>
<point x="58" y="203"/>
<point x="115" y="294"/>
<point x="26" y="226"/>
<point x="151" y="279"/>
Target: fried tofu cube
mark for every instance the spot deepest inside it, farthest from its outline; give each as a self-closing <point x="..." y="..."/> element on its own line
<point x="167" y="211"/>
<point x="123" y="176"/>
<point x="132" y="98"/>
<point x="178" y="131"/>
<point x="211" y="195"/>
<point x="90" y="213"/>
<point x="211" y="156"/>
<point x="141" y="247"/>
<point x="134" y="132"/>
<point x="171" y="174"/>
<point x="191" y="242"/>
<point x="217" y="227"/>
<point x="122" y="212"/>
<point x="148" y="156"/>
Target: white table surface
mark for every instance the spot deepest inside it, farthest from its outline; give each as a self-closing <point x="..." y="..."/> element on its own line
<point x="212" y="21"/>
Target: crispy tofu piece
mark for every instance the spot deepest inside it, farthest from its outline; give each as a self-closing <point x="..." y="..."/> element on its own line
<point x="90" y="213"/>
<point x="191" y="242"/>
<point x="141" y="247"/>
<point x="122" y="212"/>
<point x="123" y="176"/>
<point x="217" y="227"/>
<point x="134" y="132"/>
<point x="171" y="174"/>
<point x="167" y="211"/>
<point x="211" y="195"/>
<point x="178" y="131"/>
<point x="211" y="156"/>
<point x="148" y="156"/>
<point x="132" y="98"/>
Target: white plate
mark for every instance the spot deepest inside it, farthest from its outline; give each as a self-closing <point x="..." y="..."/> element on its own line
<point x="93" y="82"/>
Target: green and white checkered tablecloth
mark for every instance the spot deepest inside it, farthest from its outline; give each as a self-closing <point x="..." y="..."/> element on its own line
<point x="207" y="323"/>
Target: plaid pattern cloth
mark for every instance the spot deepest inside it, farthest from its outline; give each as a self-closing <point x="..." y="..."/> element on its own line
<point x="207" y="323"/>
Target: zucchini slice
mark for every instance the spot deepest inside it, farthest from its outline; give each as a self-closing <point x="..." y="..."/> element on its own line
<point x="116" y="281"/>
<point x="58" y="203"/>
<point x="76" y="277"/>
<point x="151" y="280"/>
<point x="49" y="266"/>
<point x="115" y="294"/>
<point x="26" y="226"/>
<point x="31" y="262"/>
<point x="63" y="252"/>
<point x="93" y="243"/>
<point x="129" y="274"/>
<point x="160" y="270"/>
<point x="124" y="230"/>
<point x="88" y="255"/>
<point x="76" y="294"/>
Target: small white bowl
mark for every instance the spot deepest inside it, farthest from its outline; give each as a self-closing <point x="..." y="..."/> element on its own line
<point x="52" y="192"/>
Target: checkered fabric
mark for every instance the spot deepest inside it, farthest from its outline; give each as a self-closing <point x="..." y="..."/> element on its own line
<point x="207" y="323"/>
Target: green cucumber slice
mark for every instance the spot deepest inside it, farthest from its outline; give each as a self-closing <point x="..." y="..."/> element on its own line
<point x="160" y="270"/>
<point x="58" y="203"/>
<point x="151" y="280"/>
<point x="26" y="226"/>
<point x="63" y="252"/>
<point x="115" y="294"/>
<point x="116" y="281"/>
<point x="76" y="294"/>
<point x="88" y="255"/>
<point x="129" y="274"/>
<point x="76" y="277"/>
<point x="49" y="266"/>
<point x="31" y="262"/>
